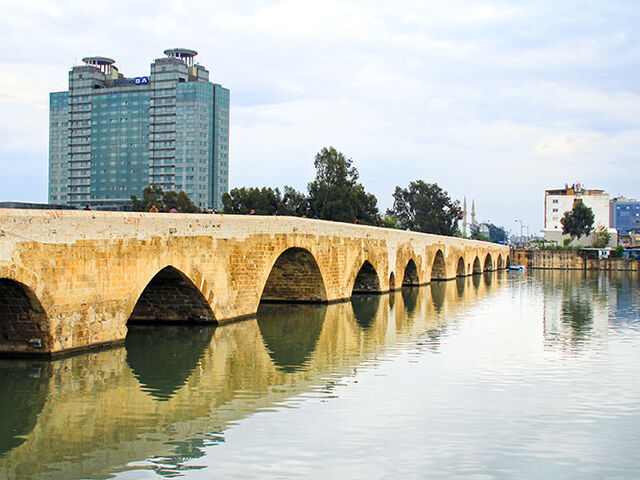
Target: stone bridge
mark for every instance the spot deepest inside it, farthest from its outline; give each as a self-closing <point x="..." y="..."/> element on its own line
<point x="71" y="280"/>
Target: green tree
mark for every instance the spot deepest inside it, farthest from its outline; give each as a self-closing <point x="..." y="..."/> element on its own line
<point x="263" y="201"/>
<point x="497" y="234"/>
<point x="390" y="221"/>
<point x="617" y="252"/>
<point x="180" y="201"/>
<point x="163" y="201"/>
<point x="266" y="201"/>
<point x="601" y="237"/>
<point x="425" y="207"/>
<point x="336" y="194"/>
<point x="476" y="235"/>
<point x="295" y="204"/>
<point x="578" y="221"/>
<point x="151" y="195"/>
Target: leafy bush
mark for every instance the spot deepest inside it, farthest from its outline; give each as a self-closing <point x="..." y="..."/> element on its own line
<point x="617" y="252"/>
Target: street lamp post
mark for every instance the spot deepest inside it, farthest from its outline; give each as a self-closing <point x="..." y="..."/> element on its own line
<point x="520" y="228"/>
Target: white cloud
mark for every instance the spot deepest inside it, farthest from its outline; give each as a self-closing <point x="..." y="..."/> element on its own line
<point x="490" y="99"/>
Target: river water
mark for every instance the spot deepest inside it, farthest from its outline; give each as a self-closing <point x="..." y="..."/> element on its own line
<point x="502" y="375"/>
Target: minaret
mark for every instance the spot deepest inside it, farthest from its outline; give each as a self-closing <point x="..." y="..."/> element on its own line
<point x="464" y="217"/>
<point x="473" y="213"/>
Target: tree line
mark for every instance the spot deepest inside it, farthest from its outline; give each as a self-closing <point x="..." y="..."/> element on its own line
<point x="334" y="194"/>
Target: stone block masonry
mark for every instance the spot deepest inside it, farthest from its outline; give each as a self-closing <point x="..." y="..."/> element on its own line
<point x="74" y="279"/>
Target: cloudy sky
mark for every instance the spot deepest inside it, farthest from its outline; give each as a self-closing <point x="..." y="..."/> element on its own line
<point x="492" y="100"/>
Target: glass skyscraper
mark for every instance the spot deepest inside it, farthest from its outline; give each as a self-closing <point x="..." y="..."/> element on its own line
<point x="624" y="215"/>
<point x="110" y="136"/>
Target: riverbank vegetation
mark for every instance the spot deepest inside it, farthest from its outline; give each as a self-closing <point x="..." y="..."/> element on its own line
<point x="336" y="194"/>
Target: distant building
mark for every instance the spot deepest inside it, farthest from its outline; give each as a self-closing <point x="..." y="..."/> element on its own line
<point x="35" y="206"/>
<point x="111" y="136"/>
<point x="559" y="201"/>
<point x="624" y="215"/>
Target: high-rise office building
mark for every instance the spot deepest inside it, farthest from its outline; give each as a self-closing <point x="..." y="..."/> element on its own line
<point x="624" y="215"/>
<point x="110" y="136"/>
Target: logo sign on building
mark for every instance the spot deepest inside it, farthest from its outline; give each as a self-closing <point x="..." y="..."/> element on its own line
<point x="132" y="81"/>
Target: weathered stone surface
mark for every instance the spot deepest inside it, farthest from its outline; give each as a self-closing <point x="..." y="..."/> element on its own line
<point x="88" y="270"/>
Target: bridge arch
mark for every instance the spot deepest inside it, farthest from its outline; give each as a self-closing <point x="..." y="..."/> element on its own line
<point x="488" y="263"/>
<point x="294" y="277"/>
<point x="24" y="324"/>
<point x="499" y="265"/>
<point x="392" y="281"/>
<point x="477" y="267"/>
<point x="148" y="348"/>
<point x="171" y="296"/>
<point x="366" y="280"/>
<point x="439" y="267"/>
<point x="508" y="262"/>
<point x="461" y="271"/>
<point x="410" y="276"/>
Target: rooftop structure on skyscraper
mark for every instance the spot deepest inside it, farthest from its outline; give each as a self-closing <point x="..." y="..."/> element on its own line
<point x="183" y="54"/>
<point x="103" y="63"/>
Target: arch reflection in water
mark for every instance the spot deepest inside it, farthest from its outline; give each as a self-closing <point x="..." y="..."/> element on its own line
<point x="102" y="412"/>
<point x="410" y="299"/>
<point x="438" y="290"/>
<point x="24" y="387"/>
<point x="460" y="270"/>
<point x="290" y="332"/>
<point x="163" y="358"/>
<point x="365" y="309"/>
<point x="476" y="280"/>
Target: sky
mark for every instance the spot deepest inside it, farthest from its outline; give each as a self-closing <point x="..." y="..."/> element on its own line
<point x="494" y="101"/>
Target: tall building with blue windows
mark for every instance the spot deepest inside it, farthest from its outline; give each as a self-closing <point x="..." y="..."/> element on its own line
<point x="624" y="215"/>
<point x="110" y="136"/>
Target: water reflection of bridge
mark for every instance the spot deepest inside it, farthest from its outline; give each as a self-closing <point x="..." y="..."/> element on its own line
<point x="97" y="412"/>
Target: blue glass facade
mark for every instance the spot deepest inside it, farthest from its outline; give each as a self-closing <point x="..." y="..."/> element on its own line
<point x="111" y="136"/>
<point x="625" y="216"/>
<point x="58" y="147"/>
<point x="119" y="146"/>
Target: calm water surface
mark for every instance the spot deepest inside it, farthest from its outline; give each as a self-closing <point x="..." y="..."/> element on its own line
<point x="504" y="375"/>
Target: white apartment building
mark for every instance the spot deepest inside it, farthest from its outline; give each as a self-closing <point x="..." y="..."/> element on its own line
<point x="559" y="201"/>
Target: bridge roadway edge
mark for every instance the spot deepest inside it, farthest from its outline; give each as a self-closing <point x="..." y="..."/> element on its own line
<point x="87" y="270"/>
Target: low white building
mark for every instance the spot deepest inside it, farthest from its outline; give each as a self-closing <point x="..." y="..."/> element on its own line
<point x="559" y="201"/>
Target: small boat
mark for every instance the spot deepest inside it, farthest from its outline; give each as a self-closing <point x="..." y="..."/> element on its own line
<point x="517" y="267"/>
